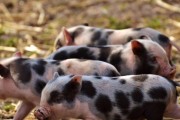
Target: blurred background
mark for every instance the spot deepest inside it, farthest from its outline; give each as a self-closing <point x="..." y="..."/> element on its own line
<point x="31" y="26"/>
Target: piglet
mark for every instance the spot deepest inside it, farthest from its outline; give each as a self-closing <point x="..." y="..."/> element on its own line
<point x="131" y="97"/>
<point x="135" y="57"/>
<point x="24" y="78"/>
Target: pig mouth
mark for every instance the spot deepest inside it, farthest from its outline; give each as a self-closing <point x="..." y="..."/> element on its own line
<point x="42" y="113"/>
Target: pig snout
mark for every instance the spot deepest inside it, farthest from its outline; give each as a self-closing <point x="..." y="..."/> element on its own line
<point x="42" y="113"/>
<point x="170" y="73"/>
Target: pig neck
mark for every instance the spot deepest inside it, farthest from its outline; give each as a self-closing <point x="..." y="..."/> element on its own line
<point x="10" y="90"/>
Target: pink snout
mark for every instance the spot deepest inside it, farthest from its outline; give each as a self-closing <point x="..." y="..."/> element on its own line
<point x="42" y="113"/>
<point x="170" y="73"/>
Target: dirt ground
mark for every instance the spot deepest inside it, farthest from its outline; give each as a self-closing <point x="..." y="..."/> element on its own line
<point x="31" y="26"/>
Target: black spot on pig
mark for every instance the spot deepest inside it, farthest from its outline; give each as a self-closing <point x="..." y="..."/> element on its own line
<point x="137" y="29"/>
<point x="122" y="81"/>
<point x="70" y="90"/>
<point x="115" y="59"/>
<point x="96" y="36"/>
<point x="104" y="53"/>
<point x="157" y="93"/>
<point x="135" y="113"/>
<point x="39" y="67"/>
<point x="55" y="97"/>
<point x="39" y="85"/>
<point x="103" y="104"/>
<point x="140" y="78"/>
<point x="97" y="77"/>
<point x="122" y="101"/>
<point x="88" y="89"/>
<point x="117" y="117"/>
<point x="137" y="95"/>
<point x="82" y="53"/>
<point x="4" y="72"/>
<point x="163" y="39"/>
<point x="60" y="55"/>
<point x="21" y="70"/>
<point x="76" y="33"/>
<point x="154" y="110"/>
<point x="60" y="71"/>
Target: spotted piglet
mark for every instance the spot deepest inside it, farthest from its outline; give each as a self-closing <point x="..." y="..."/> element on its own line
<point x="132" y="97"/>
<point x="135" y="57"/>
<point x="24" y="78"/>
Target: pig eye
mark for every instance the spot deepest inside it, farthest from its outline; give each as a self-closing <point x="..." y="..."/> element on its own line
<point x="56" y="97"/>
<point x="153" y="60"/>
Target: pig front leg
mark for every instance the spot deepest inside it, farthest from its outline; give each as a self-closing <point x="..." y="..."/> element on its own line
<point x="23" y="110"/>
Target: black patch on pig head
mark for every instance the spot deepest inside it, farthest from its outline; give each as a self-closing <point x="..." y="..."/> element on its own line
<point x="39" y="85"/>
<point x="103" y="104"/>
<point x="4" y="72"/>
<point x="76" y="33"/>
<point x="104" y="53"/>
<point x="145" y="63"/>
<point x="21" y="70"/>
<point x="71" y="89"/>
<point x="39" y="67"/>
<point x="88" y="89"/>
<point x="115" y="60"/>
<point x="55" y="97"/>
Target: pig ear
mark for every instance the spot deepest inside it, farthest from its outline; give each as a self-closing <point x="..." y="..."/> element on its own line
<point x="137" y="47"/>
<point x="77" y="79"/>
<point x="4" y="72"/>
<point x="56" y="75"/>
<point x="67" y="36"/>
<point x="17" y="54"/>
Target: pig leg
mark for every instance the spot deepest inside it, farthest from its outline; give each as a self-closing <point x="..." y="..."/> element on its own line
<point x="173" y="111"/>
<point x="23" y="110"/>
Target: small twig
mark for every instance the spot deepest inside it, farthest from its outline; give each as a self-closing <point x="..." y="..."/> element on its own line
<point x="22" y="27"/>
<point x="6" y="11"/>
<point x="10" y="49"/>
<point x="167" y="6"/>
<point x="174" y="22"/>
<point x="41" y="17"/>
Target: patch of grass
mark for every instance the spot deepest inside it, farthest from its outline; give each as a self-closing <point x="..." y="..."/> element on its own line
<point x="11" y="42"/>
<point x="8" y="107"/>
<point x="154" y="23"/>
<point x="116" y="24"/>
